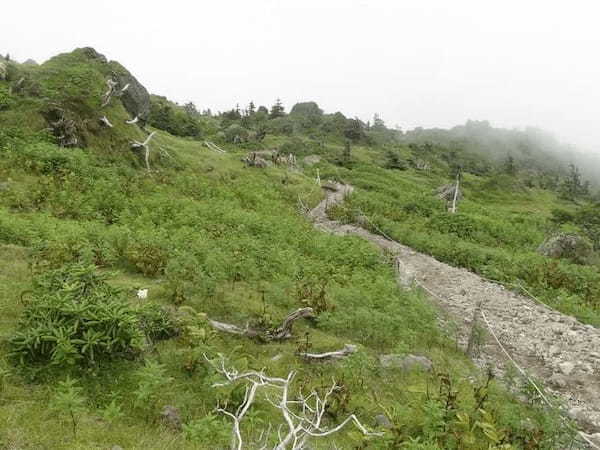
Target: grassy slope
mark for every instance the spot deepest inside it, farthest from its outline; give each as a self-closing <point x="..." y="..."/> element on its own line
<point x="233" y="236"/>
<point x="496" y="233"/>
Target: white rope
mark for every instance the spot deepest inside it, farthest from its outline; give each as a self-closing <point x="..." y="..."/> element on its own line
<point x="519" y="368"/>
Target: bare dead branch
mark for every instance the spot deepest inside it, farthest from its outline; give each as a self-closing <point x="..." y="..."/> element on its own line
<point x="132" y="121"/>
<point x="137" y="144"/>
<point x="348" y="350"/>
<point x="106" y="122"/>
<point x="303" y="417"/>
<point x="112" y="85"/>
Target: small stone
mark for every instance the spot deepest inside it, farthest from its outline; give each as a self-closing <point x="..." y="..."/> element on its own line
<point x="566" y="367"/>
<point x="407" y="362"/>
<point x="171" y="417"/>
<point x="554" y="350"/>
<point x="382" y="421"/>
<point x="557" y="380"/>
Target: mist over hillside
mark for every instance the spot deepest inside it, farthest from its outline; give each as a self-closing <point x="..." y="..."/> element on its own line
<point x="167" y="269"/>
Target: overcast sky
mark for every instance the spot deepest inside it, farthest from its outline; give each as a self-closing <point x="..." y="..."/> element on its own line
<point x="416" y="63"/>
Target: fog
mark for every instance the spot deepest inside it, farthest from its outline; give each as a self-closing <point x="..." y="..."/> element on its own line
<point x="416" y="63"/>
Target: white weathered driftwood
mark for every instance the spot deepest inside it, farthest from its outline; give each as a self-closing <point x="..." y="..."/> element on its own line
<point x="106" y="122"/>
<point x="302" y="416"/>
<point x="132" y="121"/>
<point x="348" y="350"/>
<point x="112" y="85"/>
<point x="137" y="144"/>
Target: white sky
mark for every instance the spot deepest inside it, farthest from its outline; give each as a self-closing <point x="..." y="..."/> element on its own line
<point x="416" y="62"/>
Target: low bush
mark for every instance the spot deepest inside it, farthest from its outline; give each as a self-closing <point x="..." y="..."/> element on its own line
<point x="74" y="317"/>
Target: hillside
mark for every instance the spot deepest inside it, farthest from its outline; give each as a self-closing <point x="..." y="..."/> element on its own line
<point x="87" y="223"/>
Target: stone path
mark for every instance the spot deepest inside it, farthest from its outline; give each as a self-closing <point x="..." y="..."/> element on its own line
<point x="552" y="347"/>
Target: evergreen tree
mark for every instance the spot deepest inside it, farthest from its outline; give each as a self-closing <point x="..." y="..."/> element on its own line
<point x="277" y="110"/>
<point x="509" y="165"/>
<point x="572" y="185"/>
<point x="251" y="108"/>
<point x="191" y="109"/>
<point x="345" y="159"/>
<point x="378" y="123"/>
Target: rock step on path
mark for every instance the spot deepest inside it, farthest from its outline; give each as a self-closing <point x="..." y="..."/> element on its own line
<point x="552" y="347"/>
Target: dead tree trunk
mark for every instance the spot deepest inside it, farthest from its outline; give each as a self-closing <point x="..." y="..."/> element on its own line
<point x="285" y="330"/>
<point x="348" y="350"/>
<point x="453" y="210"/>
<point x="280" y="333"/>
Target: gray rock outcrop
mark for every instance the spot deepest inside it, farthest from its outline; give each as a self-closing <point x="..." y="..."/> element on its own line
<point x="135" y="98"/>
<point x="567" y="245"/>
<point x="405" y="362"/>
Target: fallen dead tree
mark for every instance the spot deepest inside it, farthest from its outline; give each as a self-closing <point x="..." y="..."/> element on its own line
<point x="282" y="332"/>
<point x="214" y="147"/>
<point x="302" y="416"/>
<point x="348" y="350"/>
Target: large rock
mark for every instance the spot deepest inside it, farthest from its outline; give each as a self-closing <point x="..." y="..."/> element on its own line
<point x="311" y="160"/>
<point x="405" y="362"/>
<point x="135" y="98"/>
<point x="382" y="421"/>
<point x="171" y="417"/>
<point x="567" y="245"/>
<point x="91" y="53"/>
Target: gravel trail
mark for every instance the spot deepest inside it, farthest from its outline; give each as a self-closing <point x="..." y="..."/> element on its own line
<point x="554" y="348"/>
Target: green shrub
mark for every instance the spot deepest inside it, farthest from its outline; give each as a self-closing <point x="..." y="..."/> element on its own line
<point x="75" y="317"/>
<point x="236" y="134"/>
<point x="156" y="322"/>
<point x="5" y="100"/>
<point x="149" y="256"/>
<point x="458" y="224"/>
